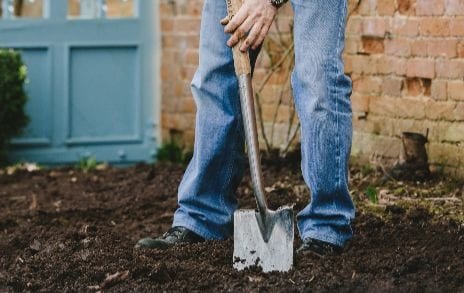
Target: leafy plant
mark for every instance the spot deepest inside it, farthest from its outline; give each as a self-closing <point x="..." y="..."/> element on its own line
<point x="87" y="164"/>
<point x="13" y="118"/>
<point x="172" y="152"/>
<point x="371" y="194"/>
<point x="367" y="170"/>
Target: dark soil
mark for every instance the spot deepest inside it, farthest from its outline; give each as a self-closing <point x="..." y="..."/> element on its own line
<point x="65" y="230"/>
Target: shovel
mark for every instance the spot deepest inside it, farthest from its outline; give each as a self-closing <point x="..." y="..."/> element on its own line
<point x="262" y="238"/>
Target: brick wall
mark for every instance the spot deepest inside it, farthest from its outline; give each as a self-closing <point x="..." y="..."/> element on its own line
<point x="180" y="26"/>
<point x="406" y="59"/>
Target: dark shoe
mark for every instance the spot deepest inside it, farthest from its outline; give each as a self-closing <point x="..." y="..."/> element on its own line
<point x="319" y="248"/>
<point x="175" y="236"/>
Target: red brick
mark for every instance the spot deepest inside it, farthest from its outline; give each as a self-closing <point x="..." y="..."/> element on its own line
<point x="406" y="7"/>
<point x="456" y="90"/>
<point x="351" y="45"/>
<point x="454" y="7"/>
<point x="410" y="108"/>
<point x="360" y="103"/>
<point x="405" y="27"/>
<point x="368" y="7"/>
<point x="373" y="45"/>
<point x="354" y="25"/>
<point x="185" y="121"/>
<point x="179" y="41"/>
<point x="394" y="107"/>
<point x="167" y="120"/>
<point x="364" y="64"/>
<point x="375" y="27"/>
<point x="188" y="138"/>
<point x="430" y="7"/>
<point x="392" y="86"/>
<point x="417" y="86"/>
<point x="390" y="64"/>
<point x="270" y="95"/>
<point x="459" y="112"/>
<point x="166" y="9"/>
<point x="439" y="110"/>
<point x="167" y="25"/>
<point x="397" y="47"/>
<point x="419" y="48"/>
<point x="187" y="105"/>
<point x="190" y="71"/>
<point x="384" y="106"/>
<point x="436" y="27"/>
<point x="453" y="69"/>
<point x="268" y="111"/>
<point x="460" y="50"/>
<point x="439" y="89"/>
<point x="181" y="88"/>
<point x="187" y="25"/>
<point x="386" y="7"/>
<point x="367" y="85"/>
<point x="194" y="7"/>
<point x="348" y="62"/>
<point x="457" y="27"/>
<point x="454" y="133"/>
<point x="283" y="114"/>
<point x="384" y="65"/>
<point x="420" y="68"/>
<point x="442" y="48"/>
<point x="191" y="57"/>
<point x="399" y="66"/>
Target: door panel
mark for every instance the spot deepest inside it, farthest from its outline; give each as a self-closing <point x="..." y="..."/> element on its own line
<point x="90" y="80"/>
<point x="104" y="94"/>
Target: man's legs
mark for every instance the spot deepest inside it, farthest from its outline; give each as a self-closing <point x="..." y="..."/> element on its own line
<point x="322" y="98"/>
<point x="206" y="194"/>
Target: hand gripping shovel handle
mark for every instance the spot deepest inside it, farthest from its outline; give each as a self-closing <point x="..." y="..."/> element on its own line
<point x="243" y="71"/>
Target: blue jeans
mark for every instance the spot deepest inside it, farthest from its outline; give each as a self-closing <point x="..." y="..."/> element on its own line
<point x="322" y="98"/>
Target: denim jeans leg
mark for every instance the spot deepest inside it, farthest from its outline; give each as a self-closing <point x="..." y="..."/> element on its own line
<point x="206" y="194"/>
<point x="322" y="98"/>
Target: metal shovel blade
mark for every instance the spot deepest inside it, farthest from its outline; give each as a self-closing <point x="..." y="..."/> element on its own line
<point x="250" y="247"/>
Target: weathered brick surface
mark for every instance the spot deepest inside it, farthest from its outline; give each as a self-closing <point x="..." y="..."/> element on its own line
<point x="405" y="57"/>
<point x="430" y="7"/>
<point x="421" y="70"/>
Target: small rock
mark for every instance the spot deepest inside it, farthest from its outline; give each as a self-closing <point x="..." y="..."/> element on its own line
<point x="35" y="245"/>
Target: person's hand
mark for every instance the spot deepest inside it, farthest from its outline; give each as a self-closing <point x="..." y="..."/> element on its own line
<point x="253" y="18"/>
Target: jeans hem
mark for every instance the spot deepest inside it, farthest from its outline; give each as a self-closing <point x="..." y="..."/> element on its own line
<point x="326" y="238"/>
<point x="192" y="225"/>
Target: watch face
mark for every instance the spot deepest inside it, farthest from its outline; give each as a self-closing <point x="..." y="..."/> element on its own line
<point x="278" y="2"/>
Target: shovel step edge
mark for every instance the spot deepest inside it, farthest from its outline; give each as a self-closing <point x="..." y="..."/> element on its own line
<point x="250" y="249"/>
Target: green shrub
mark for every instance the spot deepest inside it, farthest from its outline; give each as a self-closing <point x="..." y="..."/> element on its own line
<point x="371" y="193"/>
<point x="13" y="118"/>
<point x="172" y="152"/>
<point x="87" y="164"/>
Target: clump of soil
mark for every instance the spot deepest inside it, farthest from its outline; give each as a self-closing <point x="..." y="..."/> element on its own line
<point x="62" y="229"/>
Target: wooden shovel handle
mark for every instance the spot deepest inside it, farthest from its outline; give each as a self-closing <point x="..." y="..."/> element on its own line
<point x="241" y="59"/>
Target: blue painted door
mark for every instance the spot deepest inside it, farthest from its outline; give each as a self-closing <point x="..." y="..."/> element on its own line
<point x="92" y="78"/>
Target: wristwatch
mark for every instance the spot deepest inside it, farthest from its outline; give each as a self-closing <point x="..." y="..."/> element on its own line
<point x="278" y="3"/>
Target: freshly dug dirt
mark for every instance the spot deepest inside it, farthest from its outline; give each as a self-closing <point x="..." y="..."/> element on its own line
<point x="64" y="230"/>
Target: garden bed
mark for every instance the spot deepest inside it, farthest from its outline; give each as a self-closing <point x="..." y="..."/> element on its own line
<point x="66" y="230"/>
